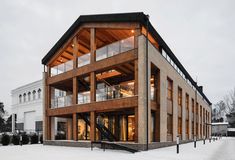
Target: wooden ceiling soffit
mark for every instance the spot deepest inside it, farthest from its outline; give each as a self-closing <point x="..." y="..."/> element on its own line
<point x="113" y="25"/>
<point x="65" y="46"/>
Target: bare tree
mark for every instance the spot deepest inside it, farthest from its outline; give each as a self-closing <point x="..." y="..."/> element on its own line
<point x="229" y="101"/>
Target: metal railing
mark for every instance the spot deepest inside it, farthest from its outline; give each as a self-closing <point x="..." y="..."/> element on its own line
<point x="113" y="92"/>
<point x="64" y="67"/>
<point x="61" y="101"/>
<point x="115" y="48"/>
<point x="84" y="60"/>
<point x="84" y="97"/>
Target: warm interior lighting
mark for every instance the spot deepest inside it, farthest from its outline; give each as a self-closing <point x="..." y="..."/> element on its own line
<point x="72" y="45"/>
<point x="132" y="31"/>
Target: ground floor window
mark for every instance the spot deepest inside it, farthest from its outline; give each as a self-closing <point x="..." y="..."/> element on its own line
<point x="83" y="130"/>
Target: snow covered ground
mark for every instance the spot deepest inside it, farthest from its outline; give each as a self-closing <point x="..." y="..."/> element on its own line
<point x="223" y="149"/>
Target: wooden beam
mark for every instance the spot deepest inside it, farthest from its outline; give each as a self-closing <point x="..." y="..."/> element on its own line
<point x="106" y="64"/>
<point x="103" y="106"/>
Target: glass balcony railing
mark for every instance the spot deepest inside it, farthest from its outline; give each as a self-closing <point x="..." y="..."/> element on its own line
<point x="84" y="60"/>
<point x="61" y="101"/>
<point x="84" y="97"/>
<point x="115" y="48"/>
<point x="64" y="67"/>
<point x="113" y="92"/>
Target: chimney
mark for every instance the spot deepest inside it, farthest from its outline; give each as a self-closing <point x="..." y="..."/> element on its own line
<point x="200" y="88"/>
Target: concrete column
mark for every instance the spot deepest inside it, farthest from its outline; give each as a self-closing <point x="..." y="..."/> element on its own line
<point x="142" y="90"/>
<point x="183" y="116"/>
<point x="190" y="119"/>
<point x="175" y="111"/>
<point x="163" y="106"/>
<point x="53" y="133"/>
<point x="199" y="121"/>
<point x="13" y="124"/>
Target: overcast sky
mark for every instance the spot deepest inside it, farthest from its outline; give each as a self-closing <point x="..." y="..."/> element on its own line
<point x="201" y="34"/>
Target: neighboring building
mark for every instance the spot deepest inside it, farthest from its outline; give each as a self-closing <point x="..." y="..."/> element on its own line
<point x="220" y="128"/>
<point x="27" y="107"/>
<point x="100" y="77"/>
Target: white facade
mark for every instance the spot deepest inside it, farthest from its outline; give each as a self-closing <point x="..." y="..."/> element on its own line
<point x="27" y="107"/>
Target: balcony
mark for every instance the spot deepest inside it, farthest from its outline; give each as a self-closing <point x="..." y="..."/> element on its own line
<point x="62" y="101"/>
<point x="114" y="92"/>
<point x="64" y="67"/>
<point x="115" y="48"/>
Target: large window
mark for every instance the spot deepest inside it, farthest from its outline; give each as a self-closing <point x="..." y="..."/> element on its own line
<point x="180" y="97"/>
<point x="169" y="89"/>
<point x="169" y="123"/>
<point x="39" y="93"/>
<point x="29" y="96"/>
<point x="20" y="98"/>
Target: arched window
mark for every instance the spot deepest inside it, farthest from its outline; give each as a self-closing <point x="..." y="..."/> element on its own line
<point x="20" y="98"/>
<point x="29" y="96"/>
<point x="34" y="95"/>
<point x="24" y="97"/>
<point x="39" y="93"/>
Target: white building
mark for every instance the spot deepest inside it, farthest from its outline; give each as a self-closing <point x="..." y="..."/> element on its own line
<point x="27" y="109"/>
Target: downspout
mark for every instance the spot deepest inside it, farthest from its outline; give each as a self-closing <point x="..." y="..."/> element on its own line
<point x="147" y="94"/>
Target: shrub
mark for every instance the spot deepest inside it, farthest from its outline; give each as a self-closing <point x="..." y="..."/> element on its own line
<point x="5" y="139"/>
<point x="34" y="139"/>
<point x="25" y="139"/>
<point x="41" y="139"/>
<point x="15" y="139"/>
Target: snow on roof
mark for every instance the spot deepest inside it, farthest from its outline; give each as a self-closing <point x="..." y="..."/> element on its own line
<point x="220" y="123"/>
<point x="231" y="129"/>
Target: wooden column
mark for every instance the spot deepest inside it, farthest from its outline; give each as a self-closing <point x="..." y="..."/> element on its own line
<point x="136" y="124"/>
<point x="93" y="126"/>
<point x="75" y="126"/>
<point x="93" y="86"/>
<point x="92" y="74"/>
<point x="92" y="44"/>
<point x="75" y="51"/>
<point x="75" y="90"/>
<point x="47" y="99"/>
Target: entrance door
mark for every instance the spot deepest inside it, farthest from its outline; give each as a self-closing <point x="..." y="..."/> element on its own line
<point x="29" y="121"/>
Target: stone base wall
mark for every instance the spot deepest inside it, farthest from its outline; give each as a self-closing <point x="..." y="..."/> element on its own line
<point x="137" y="146"/>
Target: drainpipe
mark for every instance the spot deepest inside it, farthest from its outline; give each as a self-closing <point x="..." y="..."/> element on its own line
<point x="147" y="94"/>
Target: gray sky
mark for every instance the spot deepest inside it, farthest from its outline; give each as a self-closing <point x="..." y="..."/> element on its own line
<point x="200" y="33"/>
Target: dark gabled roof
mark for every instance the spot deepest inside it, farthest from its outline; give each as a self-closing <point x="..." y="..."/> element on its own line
<point x="139" y="17"/>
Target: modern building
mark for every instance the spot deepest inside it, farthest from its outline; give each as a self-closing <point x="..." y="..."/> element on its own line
<point x="27" y="107"/>
<point x="119" y="81"/>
